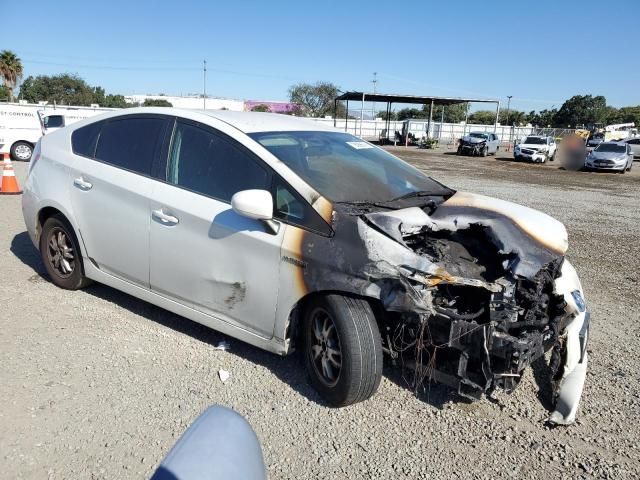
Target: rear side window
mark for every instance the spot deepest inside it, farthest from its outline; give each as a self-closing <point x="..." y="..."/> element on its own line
<point x="83" y="140"/>
<point x="208" y="163"/>
<point x="130" y="143"/>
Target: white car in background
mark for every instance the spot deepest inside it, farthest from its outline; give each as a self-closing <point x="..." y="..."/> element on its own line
<point x="537" y="149"/>
<point x="634" y="144"/>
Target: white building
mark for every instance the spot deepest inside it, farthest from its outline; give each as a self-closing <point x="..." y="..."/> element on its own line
<point x="192" y="102"/>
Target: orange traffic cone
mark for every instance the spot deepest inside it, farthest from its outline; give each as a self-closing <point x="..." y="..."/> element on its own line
<point x="9" y="181"/>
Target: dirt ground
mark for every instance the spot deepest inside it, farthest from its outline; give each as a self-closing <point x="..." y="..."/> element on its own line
<point x="97" y="384"/>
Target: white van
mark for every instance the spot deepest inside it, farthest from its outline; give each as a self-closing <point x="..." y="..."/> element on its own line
<point x="22" y="125"/>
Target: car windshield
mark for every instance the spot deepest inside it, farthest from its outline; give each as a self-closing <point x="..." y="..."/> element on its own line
<point x="344" y="168"/>
<point x="479" y="135"/>
<point x="611" y="147"/>
<point x="535" y="141"/>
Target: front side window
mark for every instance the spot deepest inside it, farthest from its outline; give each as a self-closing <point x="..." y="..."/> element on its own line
<point x="130" y="143"/>
<point x="344" y="168"/>
<point x="292" y="208"/>
<point x="211" y="164"/>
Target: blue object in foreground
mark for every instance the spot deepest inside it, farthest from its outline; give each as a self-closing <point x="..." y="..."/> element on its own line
<point x="220" y="444"/>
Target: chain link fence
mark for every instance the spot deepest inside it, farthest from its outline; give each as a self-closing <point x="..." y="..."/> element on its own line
<point x="445" y="133"/>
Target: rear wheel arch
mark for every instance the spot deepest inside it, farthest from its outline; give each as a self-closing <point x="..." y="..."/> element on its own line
<point x="49" y="211"/>
<point x="44" y="214"/>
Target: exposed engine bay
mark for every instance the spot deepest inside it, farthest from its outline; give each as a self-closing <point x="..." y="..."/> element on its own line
<point x="477" y="336"/>
<point x="474" y="296"/>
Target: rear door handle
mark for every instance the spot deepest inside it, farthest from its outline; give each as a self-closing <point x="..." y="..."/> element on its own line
<point x="164" y="218"/>
<point x="82" y="184"/>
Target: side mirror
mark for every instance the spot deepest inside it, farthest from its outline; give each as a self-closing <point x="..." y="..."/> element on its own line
<point x="255" y="204"/>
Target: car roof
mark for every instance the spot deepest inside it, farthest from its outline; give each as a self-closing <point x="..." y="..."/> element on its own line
<point x="250" y="122"/>
<point x="247" y="122"/>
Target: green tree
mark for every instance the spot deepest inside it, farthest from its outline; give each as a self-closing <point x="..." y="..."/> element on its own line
<point x="261" y="108"/>
<point x="581" y="110"/>
<point x="452" y="113"/>
<point x="383" y="115"/>
<point x="316" y="100"/>
<point x="483" y="117"/>
<point x="4" y="93"/>
<point x="406" y="113"/>
<point x="63" y="89"/>
<point x="10" y="71"/>
<point x="156" y="102"/>
<point x="543" y="118"/>
<point x="624" y="115"/>
<point x="114" y="101"/>
<point x="513" y="117"/>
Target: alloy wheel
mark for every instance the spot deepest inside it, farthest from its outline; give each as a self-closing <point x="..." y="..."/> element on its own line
<point x="325" y="351"/>
<point x="60" y="252"/>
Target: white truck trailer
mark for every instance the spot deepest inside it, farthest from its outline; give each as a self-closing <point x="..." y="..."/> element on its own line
<point x="22" y="124"/>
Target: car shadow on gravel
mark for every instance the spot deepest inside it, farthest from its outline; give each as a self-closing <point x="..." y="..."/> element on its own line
<point x="24" y="250"/>
<point x="289" y="369"/>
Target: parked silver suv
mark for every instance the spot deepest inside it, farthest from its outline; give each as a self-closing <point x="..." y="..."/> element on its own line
<point x="287" y="234"/>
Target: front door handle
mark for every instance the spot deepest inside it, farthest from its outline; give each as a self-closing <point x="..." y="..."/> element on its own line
<point x="164" y="218"/>
<point x="82" y="184"/>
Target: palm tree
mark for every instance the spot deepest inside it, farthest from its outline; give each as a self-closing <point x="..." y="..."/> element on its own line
<point x="10" y="70"/>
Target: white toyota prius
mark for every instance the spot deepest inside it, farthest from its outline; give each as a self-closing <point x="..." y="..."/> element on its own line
<point x="290" y="235"/>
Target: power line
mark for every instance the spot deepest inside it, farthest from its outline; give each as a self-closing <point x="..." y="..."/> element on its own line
<point x="159" y="69"/>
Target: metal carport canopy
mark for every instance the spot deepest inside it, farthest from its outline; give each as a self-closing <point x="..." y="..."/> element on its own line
<point x="415" y="99"/>
<point x="410" y="99"/>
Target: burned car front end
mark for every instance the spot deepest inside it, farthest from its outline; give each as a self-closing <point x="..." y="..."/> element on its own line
<point x="472" y="145"/>
<point x="472" y="290"/>
<point x="467" y="290"/>
<point x="487" y="293"/>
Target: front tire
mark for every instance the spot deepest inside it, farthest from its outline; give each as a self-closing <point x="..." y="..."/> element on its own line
<point x="61" y="254"/>
<point x="21" y="151"/>
<point x="342" y="349"/>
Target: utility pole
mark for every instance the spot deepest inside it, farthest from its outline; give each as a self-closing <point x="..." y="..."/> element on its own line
<point x="508" y="106"/>
<point x="204" y="86"/>
<point x="375" y="84"/>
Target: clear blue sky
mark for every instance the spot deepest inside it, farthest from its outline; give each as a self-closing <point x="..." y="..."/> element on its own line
<point x="541" y="52"/>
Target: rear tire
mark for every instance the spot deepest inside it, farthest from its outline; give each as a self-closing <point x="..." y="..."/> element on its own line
<point x="342" y="349"/>
<point x="21" y="151"/>
<point x="61" y="254"/>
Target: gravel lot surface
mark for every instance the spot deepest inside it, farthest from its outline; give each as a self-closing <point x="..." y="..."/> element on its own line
<point x="97" y="384"/>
